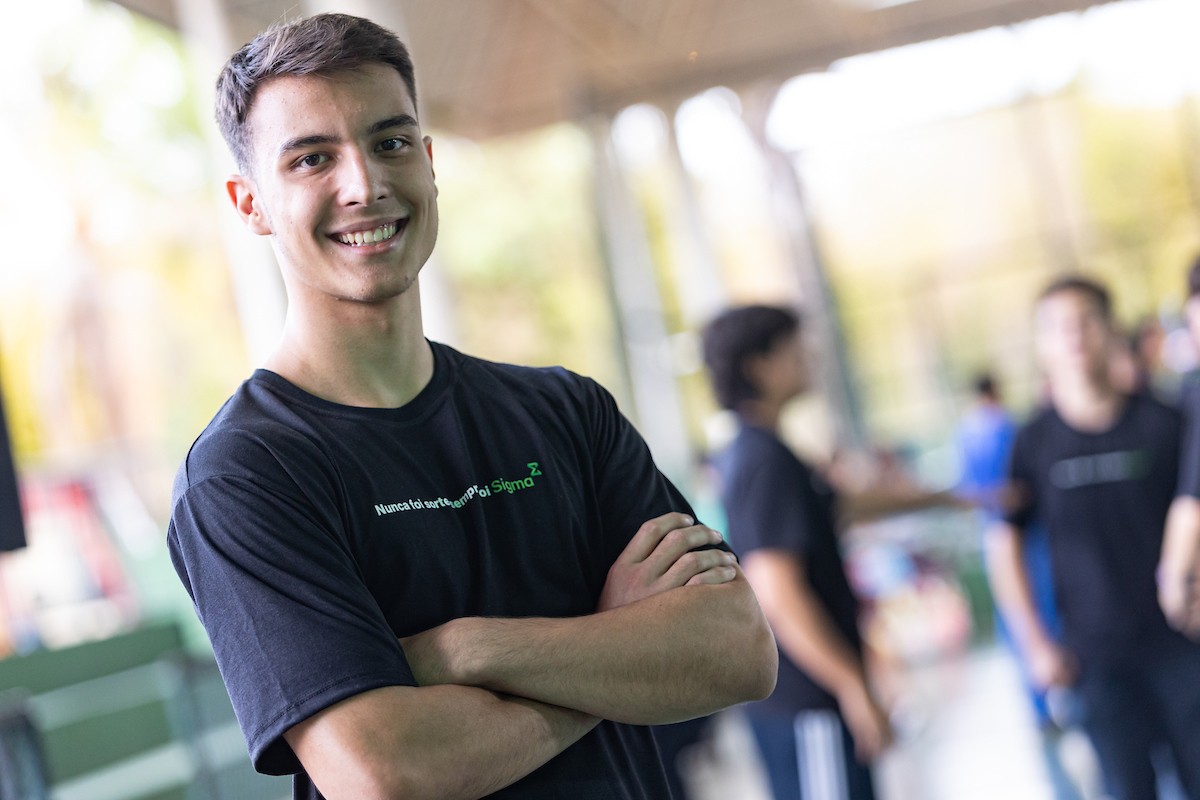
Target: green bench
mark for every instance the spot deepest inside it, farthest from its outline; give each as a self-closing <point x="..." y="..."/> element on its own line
<point x="130" y="718"/>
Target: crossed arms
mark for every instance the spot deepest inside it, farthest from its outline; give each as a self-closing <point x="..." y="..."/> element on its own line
<point x="678" y="634"/>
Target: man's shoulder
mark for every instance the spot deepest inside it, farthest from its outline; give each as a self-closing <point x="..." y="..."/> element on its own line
<point x="1039" y="418"/>
<point x="255" y="431"/>
<point x="756" y="453"/>
<point x="1154" y="407"/>
<point x="471" y="367"/>
<point x="554" y="385"/>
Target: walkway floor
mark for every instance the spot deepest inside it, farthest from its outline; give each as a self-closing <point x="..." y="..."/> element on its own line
<point x="965" y="732"/>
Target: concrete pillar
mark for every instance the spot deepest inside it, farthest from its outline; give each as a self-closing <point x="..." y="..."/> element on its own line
<point x="698" y="281"/>
<point x="257" y="287"/>
<point x="656" y="404"/>
<point x="822" y="317"/>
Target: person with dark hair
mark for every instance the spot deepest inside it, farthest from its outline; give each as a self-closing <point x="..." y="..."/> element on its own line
<point x="426" y="575"/>
<point x="823" y="726"/>
<point x="1099" y="468"/>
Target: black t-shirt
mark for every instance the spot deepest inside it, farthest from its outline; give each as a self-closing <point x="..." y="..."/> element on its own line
<point x="1104" y="498"/>
<point x="311" y="535"/>
<point x="775" y="501"/>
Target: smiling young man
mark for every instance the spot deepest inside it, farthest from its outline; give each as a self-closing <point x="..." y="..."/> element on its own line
<point x="425" y="575"/>
<point x="1100" y="468"/>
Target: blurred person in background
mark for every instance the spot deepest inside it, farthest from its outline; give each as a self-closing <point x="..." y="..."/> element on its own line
<point x="823" y="726"/>
<point x="1100" y="468"/>
<point x="424" y="574"/>
<point x="984" y="440"/>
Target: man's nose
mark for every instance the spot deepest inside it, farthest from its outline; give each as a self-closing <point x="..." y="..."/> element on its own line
<point x="362" y="180"/>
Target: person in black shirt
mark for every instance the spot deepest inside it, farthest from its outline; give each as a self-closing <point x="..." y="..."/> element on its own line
<point x="822" y="726"/>
<point x="425" y="575"/>
<point x="1100" y="469"/>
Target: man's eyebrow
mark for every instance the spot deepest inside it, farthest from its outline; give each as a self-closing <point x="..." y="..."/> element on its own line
<point x="398" y="121"/>
<point x="301" y="142"/>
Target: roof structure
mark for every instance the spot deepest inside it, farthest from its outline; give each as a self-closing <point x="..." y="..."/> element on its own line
<point x="495" y="67"/>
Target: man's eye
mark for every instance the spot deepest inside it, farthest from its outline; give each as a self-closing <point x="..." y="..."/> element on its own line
<point x="312" y="160"/>
<point x="393" y="143"/>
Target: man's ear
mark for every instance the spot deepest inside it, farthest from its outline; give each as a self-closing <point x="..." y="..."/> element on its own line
<point x="244" y="196"/>
<point x="429" y="150"/>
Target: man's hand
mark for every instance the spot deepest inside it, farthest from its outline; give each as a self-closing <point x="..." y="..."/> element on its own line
<point x="660" y="557"/>
<point x="1049" y="664"/>
<point x="868" y="723"/>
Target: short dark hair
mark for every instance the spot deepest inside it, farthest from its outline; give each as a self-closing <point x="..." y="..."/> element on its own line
<point x="733" y="337"/>
<point x="323" y="44"/>
<point x="1093" y="290"/>
<point x="1193" y="278"/>
<point x="984" y="385"/>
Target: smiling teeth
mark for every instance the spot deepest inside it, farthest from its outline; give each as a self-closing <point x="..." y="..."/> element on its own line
<point x="380" y="234"/>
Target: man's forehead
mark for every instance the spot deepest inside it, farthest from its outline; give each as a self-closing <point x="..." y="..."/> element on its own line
<point x="349" y="103"/>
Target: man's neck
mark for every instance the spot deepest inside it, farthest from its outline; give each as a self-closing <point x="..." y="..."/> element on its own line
<point x="371" y="356"/>
<point x="762" y="414"/>
<point x="1089" y="404"/>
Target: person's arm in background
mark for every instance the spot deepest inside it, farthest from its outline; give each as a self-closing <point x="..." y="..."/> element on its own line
<point x="1179" y="567"/>
<point x="873" y="504"/>
<point x="1179" y="564"/>
<point x="644" y="658"/>
<point x="1049" y="664"/>
<point x="869" y="490"/>
<point x="808" y="636"/>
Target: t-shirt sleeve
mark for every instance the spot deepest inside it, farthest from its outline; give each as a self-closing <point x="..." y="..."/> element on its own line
<point x="1018" y="504"/>
<point x="772" y="504"/>
<point x="293" y="627"/>
<point x="630" y="489"/>
<point x="1189" y="454"/>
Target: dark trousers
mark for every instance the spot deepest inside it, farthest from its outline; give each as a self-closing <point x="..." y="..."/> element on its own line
<point x="811" y="757"/>
<point x="1136" y="706"/>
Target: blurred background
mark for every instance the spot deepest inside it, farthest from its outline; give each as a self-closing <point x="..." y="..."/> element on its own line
<point x="612" y="173"/>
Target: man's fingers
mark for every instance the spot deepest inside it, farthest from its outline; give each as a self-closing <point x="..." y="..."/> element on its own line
<point x="651" y="534"/>
<point x="678" y="545"/>
<point x="713" y="576"/>
<point x="694" y="562"/>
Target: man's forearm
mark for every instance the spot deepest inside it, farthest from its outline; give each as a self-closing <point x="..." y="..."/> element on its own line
<point x="1009" y="583"/>
<point x="1181" y="539"/>
<point x="808" y="636"/>
<point x="1179" y="566"/>
<point x="431" y="742"/>
<point x="677" y="655"/>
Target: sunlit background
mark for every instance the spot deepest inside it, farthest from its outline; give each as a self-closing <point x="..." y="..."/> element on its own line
<point x="912" y="201"/>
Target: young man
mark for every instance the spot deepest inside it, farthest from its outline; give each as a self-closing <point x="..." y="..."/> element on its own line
<point x="425" y="575"/>
<point x="822" y="726"/>
<point x="1099" y="468"/>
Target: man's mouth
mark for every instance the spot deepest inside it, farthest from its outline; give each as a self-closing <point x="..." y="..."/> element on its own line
<point x="372" y="235"/>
